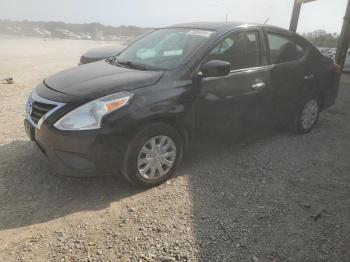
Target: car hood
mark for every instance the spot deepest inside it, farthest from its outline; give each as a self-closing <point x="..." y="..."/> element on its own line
<point x="99" y="79"/>
<point x="104" y="52"/>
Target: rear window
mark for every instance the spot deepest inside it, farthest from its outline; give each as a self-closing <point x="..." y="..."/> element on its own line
<point x="283" y="49"/>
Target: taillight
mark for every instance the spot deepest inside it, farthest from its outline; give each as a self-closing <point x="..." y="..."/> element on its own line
<point x="335" y="68"/>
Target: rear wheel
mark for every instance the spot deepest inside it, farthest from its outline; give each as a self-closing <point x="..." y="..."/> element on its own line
<point x="153" y="155"/>
<point x="306" y="116"/>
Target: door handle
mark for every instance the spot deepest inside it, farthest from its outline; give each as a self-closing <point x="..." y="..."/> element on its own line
<point x="258" y="86"/>
<point x="309" y="77"/>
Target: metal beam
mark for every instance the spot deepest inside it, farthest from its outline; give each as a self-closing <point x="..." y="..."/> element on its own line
<point x="303" y="1"/>
<point x="296" y="13"/>
<point x="295" y="16"/>
<point x="344" y="39"/>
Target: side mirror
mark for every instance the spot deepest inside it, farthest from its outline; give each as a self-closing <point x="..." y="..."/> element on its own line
<point x="216" y="68"/>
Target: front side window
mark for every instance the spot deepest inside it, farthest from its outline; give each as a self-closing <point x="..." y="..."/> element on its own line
<point x="165" y="48"/>
<point x="283" y="49"/>
<point x="222" y="47"/>
<point x="241" y="50"/>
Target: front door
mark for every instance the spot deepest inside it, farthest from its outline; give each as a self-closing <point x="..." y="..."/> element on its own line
<point x="240" y="99"/>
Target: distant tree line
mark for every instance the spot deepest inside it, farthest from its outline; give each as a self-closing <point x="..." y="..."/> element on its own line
<point x="67" y="30"/>
<point x="322" y="39"/>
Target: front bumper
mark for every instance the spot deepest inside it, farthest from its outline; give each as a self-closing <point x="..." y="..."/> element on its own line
<point x="79" y="153"/>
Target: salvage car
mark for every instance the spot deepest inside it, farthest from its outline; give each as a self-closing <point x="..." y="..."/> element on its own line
<point x="135" y="114"/>
<point x="107" y="52"/>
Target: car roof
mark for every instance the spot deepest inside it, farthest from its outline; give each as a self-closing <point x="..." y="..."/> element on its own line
<point x="224" y="26"/>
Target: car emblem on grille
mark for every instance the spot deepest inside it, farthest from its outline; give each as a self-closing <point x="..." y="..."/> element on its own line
<point x="29" y="107"/>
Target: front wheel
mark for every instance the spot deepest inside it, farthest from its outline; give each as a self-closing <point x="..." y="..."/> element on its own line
<point x="152" y="155"/>
<point x="306" y="116"/>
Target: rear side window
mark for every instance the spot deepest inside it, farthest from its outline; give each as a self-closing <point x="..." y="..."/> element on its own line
<point x="241" y="50"/>
<point x="283" y="49"/>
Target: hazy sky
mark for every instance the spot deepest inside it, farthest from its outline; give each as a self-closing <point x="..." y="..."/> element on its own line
<point x="322" y="14"/>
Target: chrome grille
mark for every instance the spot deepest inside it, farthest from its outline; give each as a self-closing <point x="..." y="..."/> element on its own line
<point x="38" y="109"/>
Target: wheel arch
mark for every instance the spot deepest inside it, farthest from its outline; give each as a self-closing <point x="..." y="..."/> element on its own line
<point x="184" y="130"/>
<point x="321" y="97"/>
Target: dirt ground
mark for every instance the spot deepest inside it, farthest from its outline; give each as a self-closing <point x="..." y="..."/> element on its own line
<point x="263" y="196"/>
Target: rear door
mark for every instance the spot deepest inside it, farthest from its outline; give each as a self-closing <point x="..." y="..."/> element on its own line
<point x="240" y="98"/>
<point x="292" y="75"/>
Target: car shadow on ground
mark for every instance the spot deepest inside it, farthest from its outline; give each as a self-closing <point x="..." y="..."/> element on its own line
<point x="251" y="203"/>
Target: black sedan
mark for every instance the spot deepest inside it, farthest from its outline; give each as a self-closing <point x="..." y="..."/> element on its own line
<point x="107" y="52"/>
<point x="136" y="114"/>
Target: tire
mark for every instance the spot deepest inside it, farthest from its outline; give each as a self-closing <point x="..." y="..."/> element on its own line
<point x="306" y="115"/>
<point x="161" y="135"/>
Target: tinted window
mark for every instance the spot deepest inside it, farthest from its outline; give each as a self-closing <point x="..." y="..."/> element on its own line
<point x="222" y="47"/>
<point x="283" y="49"/>
<point x="300" y="52"/>
<point x="241" y="50"/>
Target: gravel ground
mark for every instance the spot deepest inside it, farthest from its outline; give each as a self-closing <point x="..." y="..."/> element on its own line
<point x="260" y="196"/>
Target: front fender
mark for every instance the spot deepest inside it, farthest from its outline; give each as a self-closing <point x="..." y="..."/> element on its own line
<point x="171" y="105"/>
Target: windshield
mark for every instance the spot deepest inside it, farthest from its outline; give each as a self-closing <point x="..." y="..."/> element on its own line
<point x="133" y="40"/>
<point x="164" y="49"/>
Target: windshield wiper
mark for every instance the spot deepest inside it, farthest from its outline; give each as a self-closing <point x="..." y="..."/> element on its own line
<point x="133" y="65"/>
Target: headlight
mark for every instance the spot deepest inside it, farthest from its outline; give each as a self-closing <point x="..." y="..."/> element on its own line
<point x="89" y="116"/>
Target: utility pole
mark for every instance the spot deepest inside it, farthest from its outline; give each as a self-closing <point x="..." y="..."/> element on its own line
<point x="344" y="39"/>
